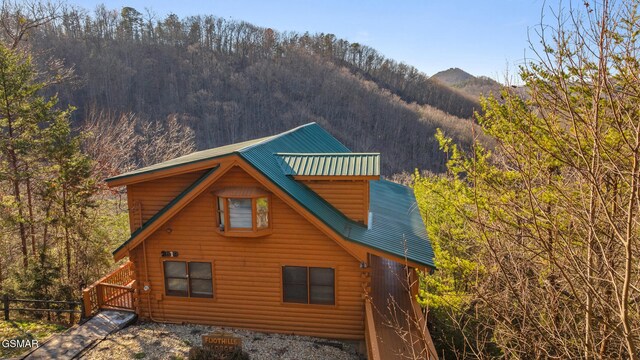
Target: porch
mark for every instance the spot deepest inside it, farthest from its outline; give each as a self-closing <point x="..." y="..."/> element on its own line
<point x="115" y="291"/>
<point x="395" y="327"/>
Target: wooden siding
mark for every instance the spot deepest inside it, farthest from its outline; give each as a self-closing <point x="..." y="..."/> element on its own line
<point x="351" y="197"/>
<point x="247" y="271"/>
<point x="147" y="198"/>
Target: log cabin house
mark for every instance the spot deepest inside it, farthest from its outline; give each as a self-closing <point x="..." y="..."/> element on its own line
<point x="291" y="233"/>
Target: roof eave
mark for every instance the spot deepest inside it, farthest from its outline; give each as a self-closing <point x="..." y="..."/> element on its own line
<point x="128" y="179"/>
<point x="135" y="177"/>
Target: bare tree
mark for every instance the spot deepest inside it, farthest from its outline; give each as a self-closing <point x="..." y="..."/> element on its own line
<point x="165" y="140"/>
<point x="555" y="209"/>
<point x="120" y="142"/>
<point x="110" y="140"/>
<point x="19" y="18"/>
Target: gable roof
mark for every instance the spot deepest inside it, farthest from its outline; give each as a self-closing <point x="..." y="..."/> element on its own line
<point x="330" y="164"/>
<point x="388" y="232"/>
<point x="192" y="158"/>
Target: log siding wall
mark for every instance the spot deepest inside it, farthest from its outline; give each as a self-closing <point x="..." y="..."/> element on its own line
<point x="247" y="272"/>
<point x="147" y="198"/>
<point x="351" y="197"/>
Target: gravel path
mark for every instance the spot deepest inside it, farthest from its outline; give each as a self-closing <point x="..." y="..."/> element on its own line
<point x="148" y="340"/>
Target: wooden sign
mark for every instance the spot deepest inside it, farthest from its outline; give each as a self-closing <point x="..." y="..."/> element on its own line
<point x="221" y="342"/>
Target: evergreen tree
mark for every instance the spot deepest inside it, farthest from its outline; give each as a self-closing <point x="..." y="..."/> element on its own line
<point x="22" y="114"/>
<point x="46" y="175"/>
<point x="71" y="187"/>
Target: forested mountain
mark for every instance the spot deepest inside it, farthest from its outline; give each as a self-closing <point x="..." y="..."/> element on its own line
<point x="453" y="76"/>
<point x="474" y="86"/>
<point x="231" y="81"/>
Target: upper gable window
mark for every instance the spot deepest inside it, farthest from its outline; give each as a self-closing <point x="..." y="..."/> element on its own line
<point x="240" y="213"/>
<point x="243" y="212"/>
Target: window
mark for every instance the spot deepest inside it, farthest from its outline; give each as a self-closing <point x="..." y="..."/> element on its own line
<point x="294" y="280"/>
<point x="221" y="213"/>
<point x="193" y="279"/>
<point x="175" y="278"/>
<point x="321" y="286"/>
<point x="308" y="285"/>
<point x="243" y="212"/>
<point x="200" y="281"/>
<point x="262" y="213"/>
<point x="239" y="213"/>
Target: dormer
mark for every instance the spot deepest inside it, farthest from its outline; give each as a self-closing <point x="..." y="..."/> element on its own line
<point x="243" y="211"/>
<point x="341" y="179"/>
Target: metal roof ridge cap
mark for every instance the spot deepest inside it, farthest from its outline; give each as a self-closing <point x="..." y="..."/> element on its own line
<point x="273" y="137"/>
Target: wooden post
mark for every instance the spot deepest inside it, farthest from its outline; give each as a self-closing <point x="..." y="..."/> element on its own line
<point x="86" y="302"/>
<point x="72" y="315"/>
<point x="99" y="295"/>
<point x="373" y="352"/>
<point x="83" y="313"/>
<point x="5" y="300"/>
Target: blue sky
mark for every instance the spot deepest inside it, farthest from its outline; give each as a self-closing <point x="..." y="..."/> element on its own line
<point x="483" y="37"/>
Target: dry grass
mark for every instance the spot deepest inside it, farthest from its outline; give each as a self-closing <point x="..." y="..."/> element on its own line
<point x="25" y="330"/>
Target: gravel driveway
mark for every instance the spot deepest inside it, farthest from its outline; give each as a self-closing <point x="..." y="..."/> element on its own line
<point x="149" y="340"/>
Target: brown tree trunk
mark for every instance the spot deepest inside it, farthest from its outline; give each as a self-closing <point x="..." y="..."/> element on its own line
<point x="45" y="235"/>
<point x="13" y="162"/>
<point x="16" y="195"/>
<point x="628" y="257"/>
<point x="32" y="231"/>
<point x="67" y="242"/>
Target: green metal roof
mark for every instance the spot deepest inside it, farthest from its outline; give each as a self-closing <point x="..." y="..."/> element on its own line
<point x="191" y="158"/>
<point x="389" y="232"/>
<point x="396" y="227"/>
<point x="330" y="164"/>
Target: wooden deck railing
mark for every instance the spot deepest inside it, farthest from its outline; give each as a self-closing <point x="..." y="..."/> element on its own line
<point x="432" y="354"/>
<point x="401" y="329"/>
<point x="114" y="291"/>
<point x="41" y="306"/>
<point x="373" y="352"/>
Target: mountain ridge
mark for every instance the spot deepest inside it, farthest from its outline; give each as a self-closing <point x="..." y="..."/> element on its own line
<point x="475" y="86"/>
<point x="231" y="81"/>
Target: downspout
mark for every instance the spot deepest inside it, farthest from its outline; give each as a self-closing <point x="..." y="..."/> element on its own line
<point x="146" y="276"/>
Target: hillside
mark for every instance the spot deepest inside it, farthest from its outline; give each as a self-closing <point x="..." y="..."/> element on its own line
<point x="453" y="76"/>
<point x="467" y="83"/>
<point x="231" y="81"/>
